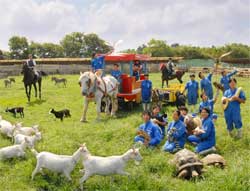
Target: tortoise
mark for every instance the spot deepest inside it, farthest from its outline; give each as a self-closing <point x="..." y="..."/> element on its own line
<point x="187" y="164"/>
<point x="214" y="159"/>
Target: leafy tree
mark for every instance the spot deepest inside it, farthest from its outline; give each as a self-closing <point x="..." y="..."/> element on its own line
<point x="73" y="44"/>
<point x="94" y="44"/>
<point x="130" y="51"/>
<point x="18" y="47"/>
<point x="157" y="48"/>
<point x="139" y="50"/>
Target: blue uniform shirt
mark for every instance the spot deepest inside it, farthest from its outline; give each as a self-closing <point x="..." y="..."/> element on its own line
<point x="234" y="105"/>
<point x="225" y="80"/>
<point x="117" y="74"/>
<point x="180" y="133"/>
<point x="146" y="89"/>
<point x="97" y="63"/>
<point x="209" y="104"/>
<point x="192" y="91"/>
<point x="209" y="135"/>
<point x="153" y="131"/>
<point x="206" y="85"/>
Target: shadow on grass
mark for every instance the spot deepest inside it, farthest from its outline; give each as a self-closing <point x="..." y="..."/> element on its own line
<point x="36" y="102"/>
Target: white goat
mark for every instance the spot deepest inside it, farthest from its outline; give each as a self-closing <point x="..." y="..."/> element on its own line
<point x="107" y="165"/>
<point x="25" y="130"/>
<point x="14" y="150"/>
<point x="6" y="127"/>
<point x="19" y="138"/>
<point x="57" y="163"/>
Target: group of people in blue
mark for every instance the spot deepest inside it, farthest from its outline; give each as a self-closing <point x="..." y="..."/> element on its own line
<point x="203" y="138"/>
<point x="176" y="133"/>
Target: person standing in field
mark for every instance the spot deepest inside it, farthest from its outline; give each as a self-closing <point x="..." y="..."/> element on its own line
<point x="206" y="84"/>
<point x="224" y="81"/>
<point x="146" y="93"/>
<point x="97" y="63"/>
<point x="192" y="88"/>
<point x="232" y="112"/>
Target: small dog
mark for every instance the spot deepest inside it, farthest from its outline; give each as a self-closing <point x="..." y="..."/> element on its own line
<point x="60" y="114"/>
<point x="16" y="110"/>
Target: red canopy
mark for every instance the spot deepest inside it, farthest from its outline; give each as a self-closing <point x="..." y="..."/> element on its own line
<point x="125" y="57"/>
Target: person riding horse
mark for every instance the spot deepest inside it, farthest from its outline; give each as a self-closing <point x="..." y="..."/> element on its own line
<point x="31" y="64"/>
<point x="170" y="67"/>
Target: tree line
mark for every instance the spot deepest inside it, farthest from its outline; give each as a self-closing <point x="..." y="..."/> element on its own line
<point x="78" y="44"/>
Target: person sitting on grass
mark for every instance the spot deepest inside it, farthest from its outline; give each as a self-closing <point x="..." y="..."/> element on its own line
<point x="148" y="133"/>
<point x="176" y="134"/>
<point x="159" y="119"/>
<point x="204" y="137"/>
<point x="184" y="112"/>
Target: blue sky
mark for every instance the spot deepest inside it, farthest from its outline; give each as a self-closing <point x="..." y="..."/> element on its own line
<point x="190" y="22"/>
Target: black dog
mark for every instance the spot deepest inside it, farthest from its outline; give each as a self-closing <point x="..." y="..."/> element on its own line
<point x="60" y="114"/>
<point x="180" y="99"/>
<point x="16" y="110"/>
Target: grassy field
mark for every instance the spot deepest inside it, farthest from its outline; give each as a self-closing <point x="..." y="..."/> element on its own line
<point x="112" y="137"/>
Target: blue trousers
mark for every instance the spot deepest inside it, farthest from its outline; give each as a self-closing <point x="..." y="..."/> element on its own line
<point x="202" y="144"/>
<point x="192" y="99"/>
<point x="233" y="118"/>
<point x="169" y="147"/>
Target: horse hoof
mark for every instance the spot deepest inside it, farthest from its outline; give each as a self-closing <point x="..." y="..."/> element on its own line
<point x="83" y="120"/>
<point x="113" y="116"/>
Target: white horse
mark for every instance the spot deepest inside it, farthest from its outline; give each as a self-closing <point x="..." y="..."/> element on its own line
<point x="94" y="88"/>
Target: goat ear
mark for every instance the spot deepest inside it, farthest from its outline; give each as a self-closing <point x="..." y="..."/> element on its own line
<point x="133" y="148"/>
<point x="81" y="73"/>
<point x="83" y="145"/>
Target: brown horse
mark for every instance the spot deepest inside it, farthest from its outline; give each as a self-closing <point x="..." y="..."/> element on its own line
<point x="166" y="76"/>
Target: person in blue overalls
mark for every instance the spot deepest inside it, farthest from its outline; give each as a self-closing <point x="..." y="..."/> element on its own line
<point x="146" y="93"/>
<point x="97" y="63"/>
<point x="232" y="112"/>
<point x="150" y="129"/>
<point x="192" y="88"/>
<point x="224" y="81"/>
<point x="184" y="112"/>
<point x="209" y="103"/>
<point x="159" y="119"/>
<point x="206" y="84"/>
<point x="136" y="69"/>
<point x="204" y="137"/>
<point x="176" y="134"/>
<point x="116" y="73"/>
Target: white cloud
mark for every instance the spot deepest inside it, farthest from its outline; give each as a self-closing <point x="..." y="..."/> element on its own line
<point x="212" y="22"/>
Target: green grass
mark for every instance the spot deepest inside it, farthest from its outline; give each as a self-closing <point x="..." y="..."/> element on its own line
<point x="112" y="137"/>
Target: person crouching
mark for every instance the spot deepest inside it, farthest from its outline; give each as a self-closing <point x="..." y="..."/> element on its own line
<point x="148" y="133"/>
<point x="204" y="137"/>
<point x="176" y="134"/>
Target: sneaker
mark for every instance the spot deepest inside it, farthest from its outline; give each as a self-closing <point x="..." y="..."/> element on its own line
<point x="239" y="134"/>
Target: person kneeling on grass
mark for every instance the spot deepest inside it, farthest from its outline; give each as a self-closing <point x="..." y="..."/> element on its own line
<point x="159" y="119"/>
<point x="176" y="134"/>
<point x="148" y="133"/>
<point x="204" y="137"/>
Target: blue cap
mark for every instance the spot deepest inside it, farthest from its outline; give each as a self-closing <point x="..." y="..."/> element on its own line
<point x="215" y="116"/>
